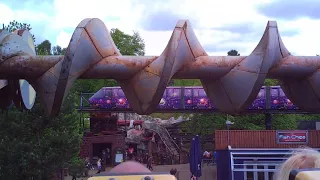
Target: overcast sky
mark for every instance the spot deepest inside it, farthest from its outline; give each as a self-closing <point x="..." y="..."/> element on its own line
<point x="219" y="25"/>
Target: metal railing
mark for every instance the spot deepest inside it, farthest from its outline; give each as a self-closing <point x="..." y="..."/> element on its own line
<point x="84" y="101"/>
<point x="165" y="137"/>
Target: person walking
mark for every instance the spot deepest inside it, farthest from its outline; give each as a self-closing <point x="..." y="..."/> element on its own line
<point x="108" y="160"/>
<point x="99" y="165"/>
<point x="104" y="157"/>
<point x="149" y="163"/>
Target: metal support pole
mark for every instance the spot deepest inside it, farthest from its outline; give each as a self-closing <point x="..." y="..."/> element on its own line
<point x="125" y="135"/>
<point x="268" y="121"/>
<point x="80" y="117"/>
<point x="81" y="101"/>
<point x="228" y="128"/>
<point x="83" y="119"/>
<point x="228" y="135"/>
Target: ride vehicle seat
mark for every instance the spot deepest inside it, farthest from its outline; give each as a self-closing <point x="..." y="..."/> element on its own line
<point x="305" y="174"/>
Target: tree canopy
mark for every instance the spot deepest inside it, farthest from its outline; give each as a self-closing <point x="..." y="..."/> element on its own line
<point x="233" y="52"/>
<point x="14" y="25"/>
<point x="57" y="50"/>
<point x="33" y="145"/>
<point x="44" y="48"/>
<point x="130" y="45"/>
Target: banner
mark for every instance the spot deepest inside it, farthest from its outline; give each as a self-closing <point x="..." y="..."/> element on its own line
<point x="292" y="137"/>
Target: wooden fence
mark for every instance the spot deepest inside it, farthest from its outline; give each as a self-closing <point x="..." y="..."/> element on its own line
<point x="259" y="139"/>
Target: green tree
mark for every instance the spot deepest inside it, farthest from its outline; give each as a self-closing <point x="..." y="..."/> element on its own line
<point x="32" y="145"/>
<point x="130" y="45"/>
<point x="57" y="50"/>
<point x="35" y="146"/>
<point x="271" y="82"/>
<point x="14" y="25"/>
<point x="187" y="82"/>
<point x="233" y="52"/>
<point x="44" y="48"/>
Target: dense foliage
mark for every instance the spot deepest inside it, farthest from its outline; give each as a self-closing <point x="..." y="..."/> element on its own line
<point x="233" y="52"/>
<point x="14" y="25"/>
<point x="34" y="146"/>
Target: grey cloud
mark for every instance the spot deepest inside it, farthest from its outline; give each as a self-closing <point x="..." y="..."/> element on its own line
<point x="39" y="28"/>
<point x="248" y="34"/>
<point x="160" y="21"/>
<point x="291" y="9"/>
<point x="248" y="30"/>
<point x="225" y="47"/>
<point x="220" y="47"/>
<point x="237" y="28"/>
<point x="163" y="21"/>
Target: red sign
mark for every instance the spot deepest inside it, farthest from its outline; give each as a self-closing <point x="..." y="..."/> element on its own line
<point x="292" y="137"/>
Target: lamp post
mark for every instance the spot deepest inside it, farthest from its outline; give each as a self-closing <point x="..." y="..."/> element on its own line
<point x="228" y="123"/>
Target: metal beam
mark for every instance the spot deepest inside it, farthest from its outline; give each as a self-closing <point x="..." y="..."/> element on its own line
<point x="262" y="111"/>
<point x="230" y="82"/>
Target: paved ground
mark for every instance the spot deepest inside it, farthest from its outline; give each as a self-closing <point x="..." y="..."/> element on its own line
<point x="208" y="172"/>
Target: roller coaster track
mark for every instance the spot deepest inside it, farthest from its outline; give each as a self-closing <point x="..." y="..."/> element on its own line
<point x="231" y="83"/>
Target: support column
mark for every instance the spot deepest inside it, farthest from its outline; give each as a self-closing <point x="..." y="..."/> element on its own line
<point x="268" y="121"/>
<point x="150" y="147"/>
<point x="125" y="136"/>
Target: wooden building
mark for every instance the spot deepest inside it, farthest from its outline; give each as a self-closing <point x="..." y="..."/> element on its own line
<point x="243" y="154"/>
<point x="260" y="139"/>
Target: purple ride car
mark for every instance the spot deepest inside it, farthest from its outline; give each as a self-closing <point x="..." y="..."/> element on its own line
<point x="187" y="98"/>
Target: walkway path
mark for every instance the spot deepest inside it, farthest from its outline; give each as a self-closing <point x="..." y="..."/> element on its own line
<point x="208" y="172"/>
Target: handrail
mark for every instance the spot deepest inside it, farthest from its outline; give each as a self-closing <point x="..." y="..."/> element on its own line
<point x="150" y="127"/>
<point x="156" y="127"/>
<point x="168" y="135"/>
<point x="167" y="132"/>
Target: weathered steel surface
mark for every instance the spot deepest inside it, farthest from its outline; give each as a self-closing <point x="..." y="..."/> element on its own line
<point x="230" y="82"/>
<point x="12" y="45"/>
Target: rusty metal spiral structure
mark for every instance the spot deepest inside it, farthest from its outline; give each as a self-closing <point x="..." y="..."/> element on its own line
<point x="231" y="82"/>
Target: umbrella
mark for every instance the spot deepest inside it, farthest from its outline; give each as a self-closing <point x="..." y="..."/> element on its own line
<point x="195" y="157"/>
